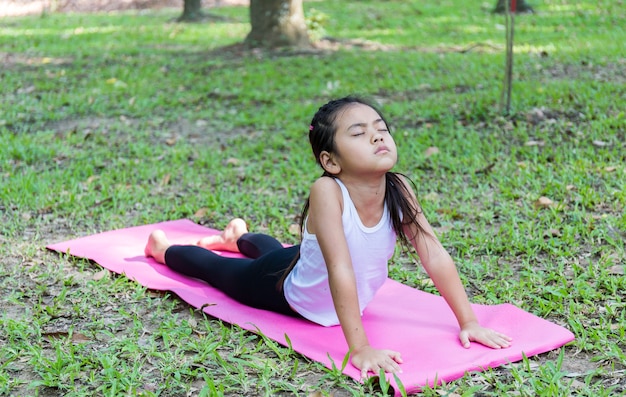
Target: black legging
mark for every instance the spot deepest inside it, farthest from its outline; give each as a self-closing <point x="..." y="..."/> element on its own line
<point x="252" y="281"/>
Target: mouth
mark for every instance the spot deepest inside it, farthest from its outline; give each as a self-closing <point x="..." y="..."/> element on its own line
<point x="382" y="150"/>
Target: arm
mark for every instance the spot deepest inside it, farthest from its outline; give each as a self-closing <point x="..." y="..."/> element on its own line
<point x="441" y="269"/>
<point x="325" y="209"/>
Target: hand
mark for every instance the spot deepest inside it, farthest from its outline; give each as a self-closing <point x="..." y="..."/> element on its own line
<point x="369" y="359"/>
<point x="485" y="336"/>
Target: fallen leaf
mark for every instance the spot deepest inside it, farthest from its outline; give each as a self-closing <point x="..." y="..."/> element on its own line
<point x="432" y="196"/>
<point x="171" y="141"/>
<point x="294" y="229"/>
<point x="576" y="384"/>
<point x="617" y="269"/>
<point x="552" y="233"/>
<point x="534" y="143"/>
<point x="100" y="275"/>
<point x="55" y="335"/>
<point x="116" y="83"/>
<point x="26" y="90"/>
<point x="599" y="143"/>
<point x="543" y="202"/>
<point x="100" y="202"/>
<point x="78" y="337"/>
<point x="451" y="212"/>
<point x="201" y="212"/>
<point x="232" y="161"/>
<point x="570" y="187"/>
<point x="447" y="393"/>
<point x="75" y="336"/>
<point x="45" y="210"/>
<point x="165" y="180"/>
<point x="427" y="281"/>
<point x="535" y="116"/>
<point x="431" y="151"/>
<point x="443" y="229"/>
<point x="610" y="168"/>
<point x="485" y="169"/>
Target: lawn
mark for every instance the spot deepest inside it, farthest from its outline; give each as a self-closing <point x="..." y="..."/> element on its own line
<point x="111" y="120"/>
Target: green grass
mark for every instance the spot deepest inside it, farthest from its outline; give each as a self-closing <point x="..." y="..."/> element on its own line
<point x="116" y="120"/>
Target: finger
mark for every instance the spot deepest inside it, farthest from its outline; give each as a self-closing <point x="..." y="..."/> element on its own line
<point x="493" y="344"/>
<point x="498" y="342"/>
<point x="393" y="367"/>
<point x="464" y="336"/>
<point x="396" y="356"/>
<point x="488" y="339"/>
<point x="376" y="369"/>
<point x="500" y="339"/>
<point x="500" y="335"/>
<point x="505" y="337"/>
<point x="504" y="341"/>
<point x="388" y="364"/>
<point x="369" y="368"/>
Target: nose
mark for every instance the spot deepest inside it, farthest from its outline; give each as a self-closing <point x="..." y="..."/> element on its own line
<point x="377" y="137"/>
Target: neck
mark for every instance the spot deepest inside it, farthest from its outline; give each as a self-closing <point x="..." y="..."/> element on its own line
<point x="366" y="192"/>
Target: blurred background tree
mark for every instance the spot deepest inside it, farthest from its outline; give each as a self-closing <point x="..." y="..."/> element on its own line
<point x="520" y="6"/>
<point x="277" y="23"/>
<point x="192" y="11"/>
<point x="274" y="23"/>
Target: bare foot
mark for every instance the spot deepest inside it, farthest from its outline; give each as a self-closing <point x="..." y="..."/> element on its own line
<point x="227" y="240"/>
<point x="157" y="245"/>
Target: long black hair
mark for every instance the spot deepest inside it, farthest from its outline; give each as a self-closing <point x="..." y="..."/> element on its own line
<point x="402" y="209"/>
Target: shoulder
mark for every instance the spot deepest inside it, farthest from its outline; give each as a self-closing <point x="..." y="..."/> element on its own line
<point x="325" y="206"/>
<point x="325" y="195"/>
<point x="325" y="186"/>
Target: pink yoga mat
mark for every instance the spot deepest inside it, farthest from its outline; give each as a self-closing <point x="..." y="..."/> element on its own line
<point x="417" y="324"/>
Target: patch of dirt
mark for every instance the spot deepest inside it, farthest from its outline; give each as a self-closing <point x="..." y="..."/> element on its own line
<point x="33" y="7"/>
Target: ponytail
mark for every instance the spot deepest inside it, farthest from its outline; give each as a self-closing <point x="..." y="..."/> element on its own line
<point x="403" y="210"/>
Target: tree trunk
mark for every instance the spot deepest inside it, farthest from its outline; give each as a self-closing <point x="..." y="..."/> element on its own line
<point x="192" y="11"/>
<point x="520" y="6"/>
<point x="277" y="23"/>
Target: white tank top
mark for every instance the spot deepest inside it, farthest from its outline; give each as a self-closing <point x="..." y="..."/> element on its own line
<point x="306" y="287"/>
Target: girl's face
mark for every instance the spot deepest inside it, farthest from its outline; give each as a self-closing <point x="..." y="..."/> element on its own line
<point x="363" y="144"/>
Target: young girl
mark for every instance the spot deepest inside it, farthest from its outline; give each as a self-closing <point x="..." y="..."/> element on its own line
<point x="349" y="225"/>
